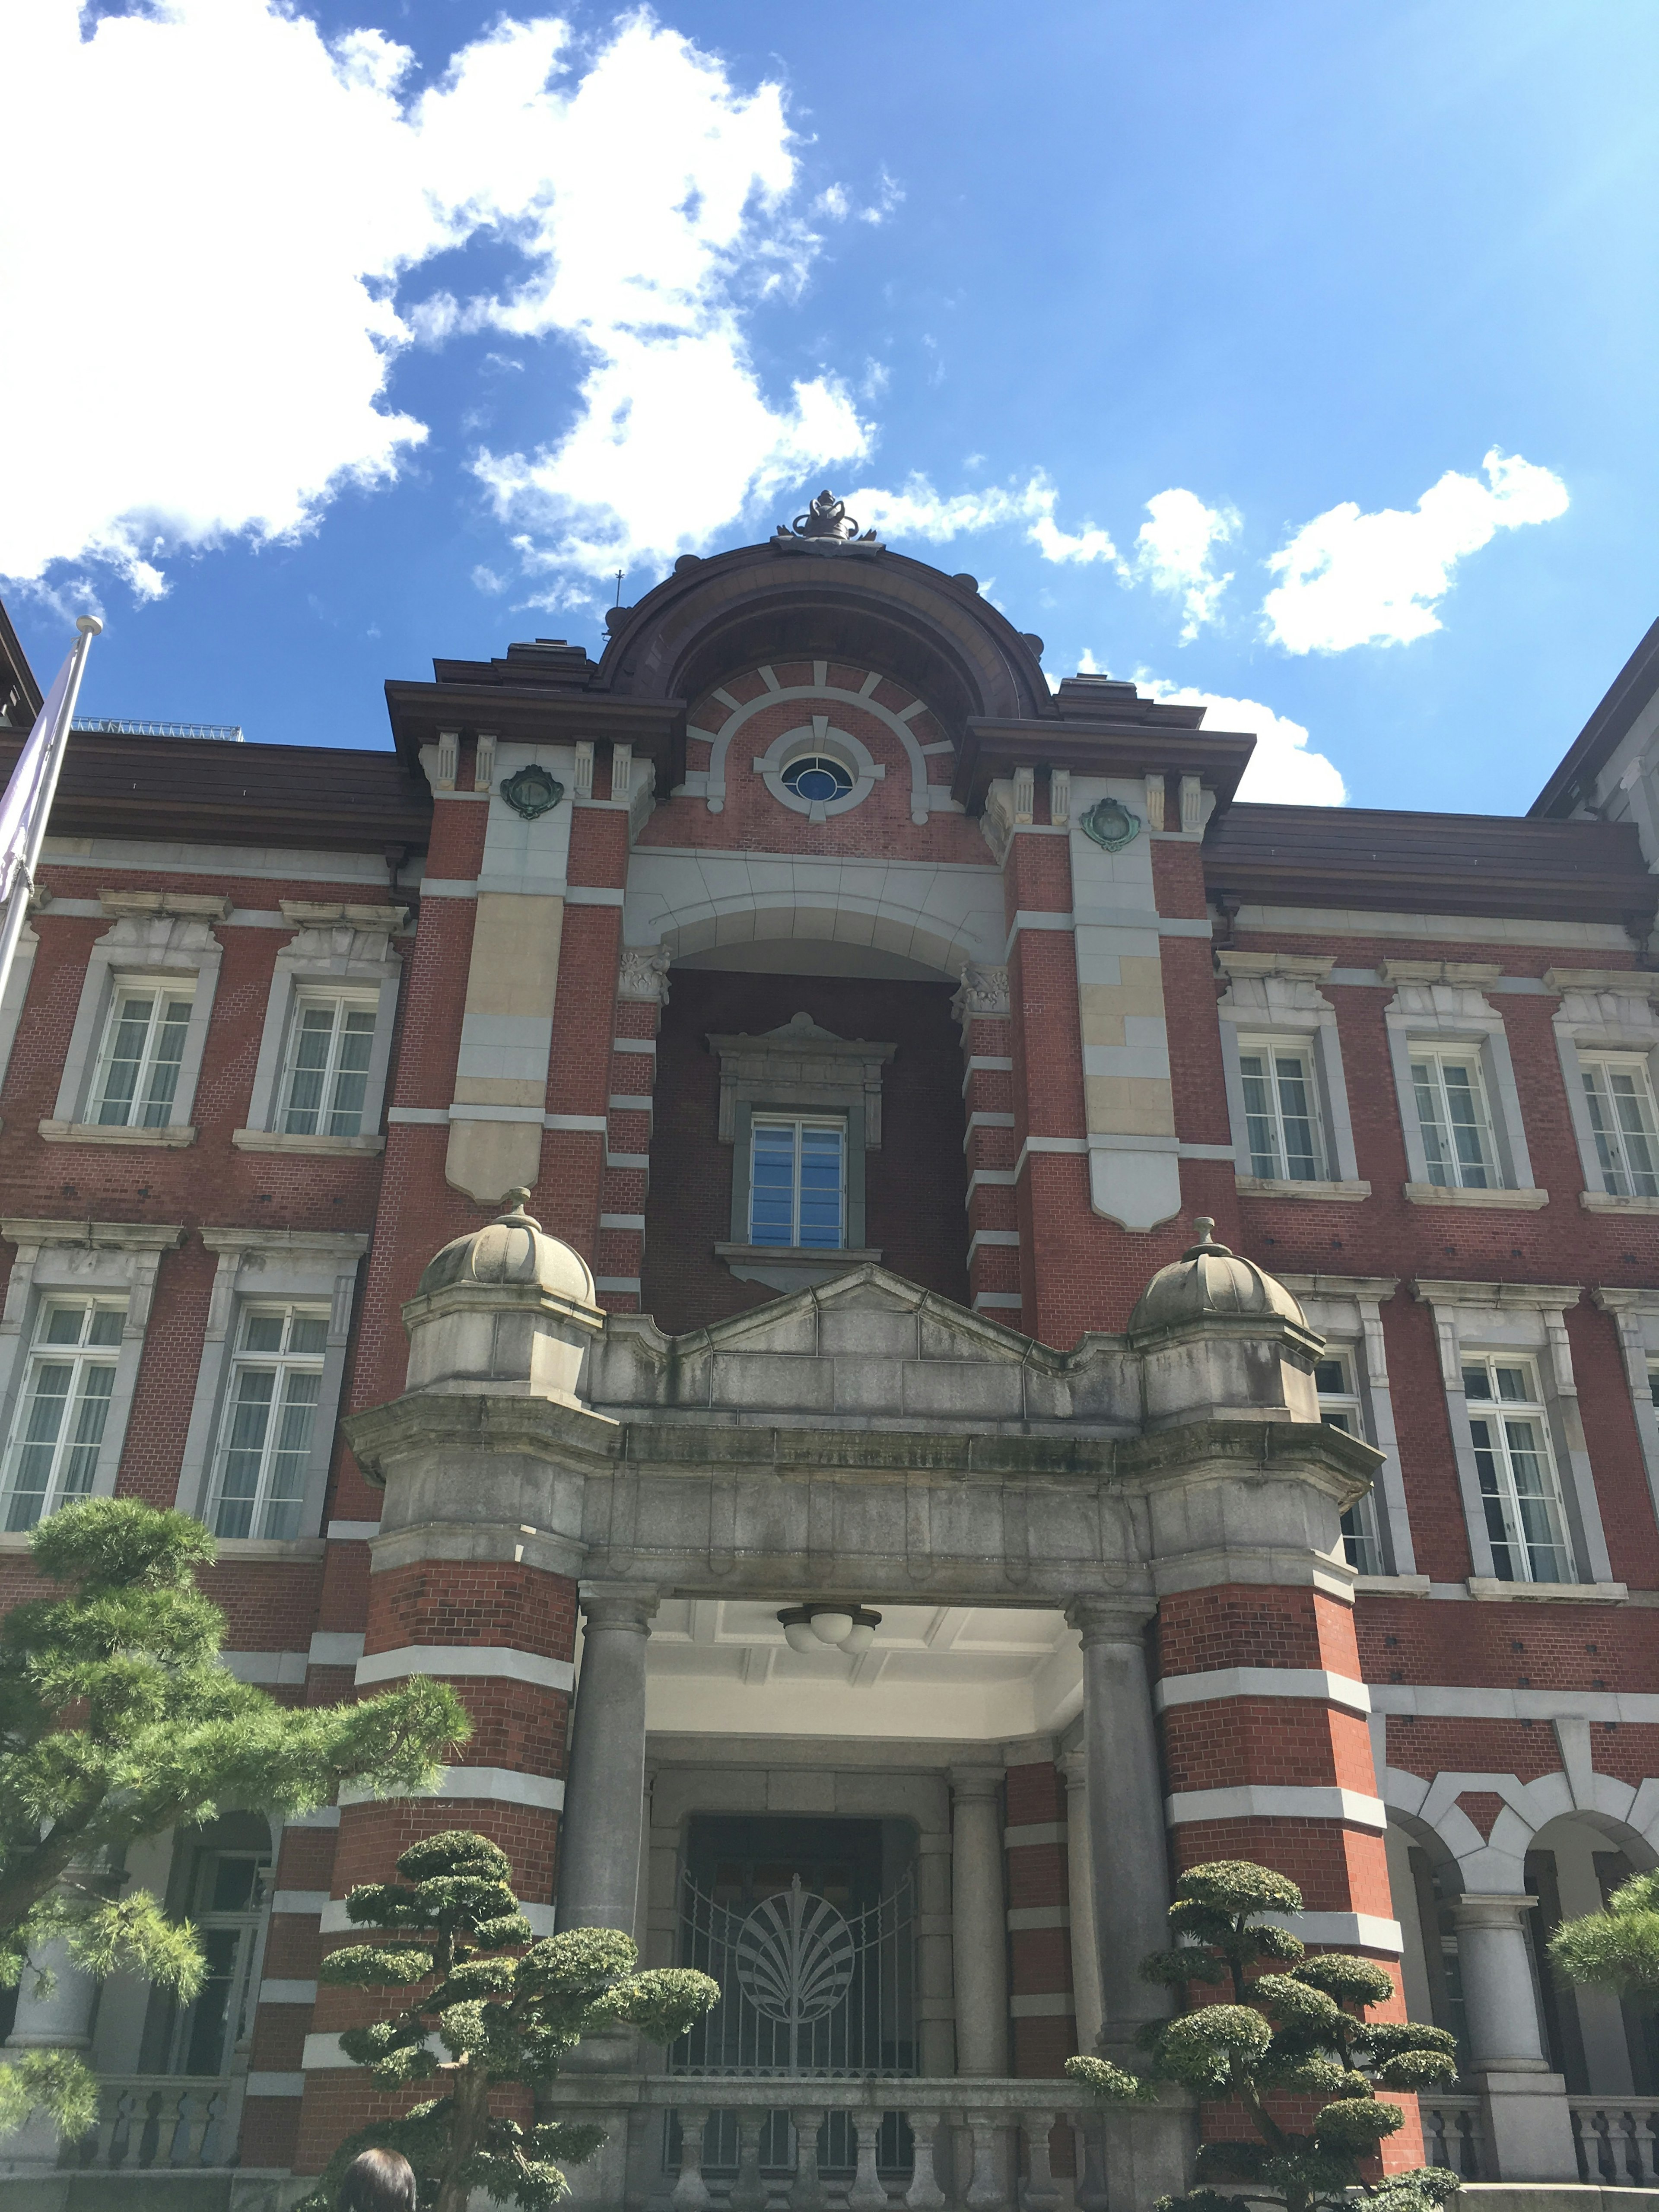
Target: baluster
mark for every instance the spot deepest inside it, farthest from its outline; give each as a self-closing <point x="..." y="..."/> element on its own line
<point x="1648" y="2145"/>
<point x="1042" y="2191"/>
<point x="121" y="2134"/>
<point x="149" y="2138"/>
<point x="1628" y="2156"/>
<point x="924" y="2194"/>
<point x="181" y="2135"/>
<point x="690" y="2192"/>
<point x="1603" y="2138"/>
<point x="749" y="2190"/>
<point x="866" y="2193"/>
<point x="1469" y="2148"/>
<point x="985" y="2191"/>
<point x="1434" y="2136"/>
<point x="807" y="2191"/>
<point x="1091" y="2167"/>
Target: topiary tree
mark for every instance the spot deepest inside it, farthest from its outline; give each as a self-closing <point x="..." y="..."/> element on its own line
<point x="500" y="2009"/>
<point x="1618" y="1949"/>
<point x="1295" y="2027"/>
<point x="118" y="1720"/>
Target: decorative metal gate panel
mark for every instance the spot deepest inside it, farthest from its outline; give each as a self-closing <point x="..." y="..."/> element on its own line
<point x="804" y="1989"/>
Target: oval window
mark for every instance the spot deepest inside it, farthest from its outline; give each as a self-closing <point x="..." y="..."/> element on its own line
<point x="817" y="776"/>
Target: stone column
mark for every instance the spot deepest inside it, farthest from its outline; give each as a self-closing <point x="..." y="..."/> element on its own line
<point x="1527" y="2126"/>
<point x="1080" y="1888"/>
<point x="61" y="2019"/>
<point x="1131" y="1877"/>
<point x="604" y="1796"/>
<point x="978" y="1939"/>
<point x="1147" y="2154"/>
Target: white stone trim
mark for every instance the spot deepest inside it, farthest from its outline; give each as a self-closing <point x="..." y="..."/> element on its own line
<point x="499" y="1662"/>
<point x="335" y="947"/>
<point x="279" y="1265"/>
<point x="1470" y="1701"/>
<point x="1021" y="1916"/>
<point x="335" y="1647"/>
<point x="1440" y="1003"/>
<point x="1313" y="1682"/>
<point x="1430" y="928"/>
<point x="336" y="1921"/>
<point x="497" y="1785"/>
<point x="1528" y="1318"/>
<point x="270" y="1667"/>
<point x="1364" y="1931"/>
<point x="1347" y="1311"/>
<point x="897" y="725"/>
<point x="292" y="1992"/>
<point x="1055" y="2004"/>
<point x="1635" y="1315"/>
<point x="1277" y="994"/>
<point x="1032" y="1832"/>
<point x="1275" y="1801"/>
<point x="87" y="1259"/>
<point x="158" y="936"/>
<point x="352" y="1532"/>
<point x="303" y="1903"/>
<point x="1602" y="1010"/>
<point x="157" y="856"/>
<point x="262" y="2084"/>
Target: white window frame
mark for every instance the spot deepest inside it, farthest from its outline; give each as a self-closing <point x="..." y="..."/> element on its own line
<point x="1274" y="1000"/>
<point x="1528" y="1321"/>
<point x="1635" y="1315"/>
<point x="1439" y="1007"/>
<point x="799" y="1123"/>
<point x="340" y="950"/>
<point x="1344" y="1409"/>
<point x="1346" y="1311"/>
<point x="1604" y="1014"/>
<point x="268" y="1268"/>
<point x="284" y="1362"/>
<point x="1432" y="1062"/>
<point x="161" y="996"/>
<point x="113" y="1262"/>
<point x="342" y="1006"/>
<point x="1272" y="1051"/>
<point x="82" y="1355"/>
<point x="1493" y="1413"/>
<point x="160" y="939"/>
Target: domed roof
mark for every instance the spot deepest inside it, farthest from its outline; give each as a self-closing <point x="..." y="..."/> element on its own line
<point x="1208" y="1283"/>
<point x="515" y="1250"/>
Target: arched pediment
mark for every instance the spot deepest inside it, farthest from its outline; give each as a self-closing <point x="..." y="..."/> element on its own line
<point x="864" y="604"/>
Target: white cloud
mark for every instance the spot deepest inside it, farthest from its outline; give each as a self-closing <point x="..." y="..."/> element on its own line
<point x="1173" y="552"/>
<point x="1281" y="770"/>
<point x="1353" y="578"/>
<point x="920" y="512"/>
<point x="254" y="268"/>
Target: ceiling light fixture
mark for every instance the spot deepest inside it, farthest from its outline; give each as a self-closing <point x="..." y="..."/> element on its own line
<point x="845" y="1628"/>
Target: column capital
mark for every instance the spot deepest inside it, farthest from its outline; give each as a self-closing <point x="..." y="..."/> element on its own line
<point x="1480" y="1908"/>
<point x="629" y="1605"/>
<point x="1074" y="1766"/>
<point x="1106" y="1619"/>
<point x="977" y="1781"/>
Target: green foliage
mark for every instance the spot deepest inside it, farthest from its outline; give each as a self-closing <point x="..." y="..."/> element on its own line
<point x="117" y="1721"/>
<point x="493" y="2007"/>
<point x="1618" y="1949"/>
<point x="1302" y="2030"/>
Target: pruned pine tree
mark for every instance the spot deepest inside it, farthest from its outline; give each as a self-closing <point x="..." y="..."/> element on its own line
<point x="1618" y="1949"/>
<point x="1295" y="2027"/>
<point x="487" y="2006"/>
<point x="118" y="1720"/>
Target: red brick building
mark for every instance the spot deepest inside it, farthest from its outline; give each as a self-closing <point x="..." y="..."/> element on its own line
<point x="868" y="1026"/>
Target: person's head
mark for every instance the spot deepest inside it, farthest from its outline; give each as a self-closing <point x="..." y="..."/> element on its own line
<point x="379" y="2181"/>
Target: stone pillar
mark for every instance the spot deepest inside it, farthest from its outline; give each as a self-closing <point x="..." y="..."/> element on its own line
<point x="1130" y="1861"/>
<point x="60" y="2019"/>
<point x="935" y="2002"/>
<point x="1527" y="2126"/>
<point x="605" y="1798"/>
<point x="1079" y="1868"/>
<point x="978" y="1942"/>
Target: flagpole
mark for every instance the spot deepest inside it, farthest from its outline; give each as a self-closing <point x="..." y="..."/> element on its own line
<point x="23" y="883"/>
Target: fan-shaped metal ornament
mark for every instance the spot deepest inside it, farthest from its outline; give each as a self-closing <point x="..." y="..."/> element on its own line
<point x="1110" y="824"/>
<point x="795" y="1957"/>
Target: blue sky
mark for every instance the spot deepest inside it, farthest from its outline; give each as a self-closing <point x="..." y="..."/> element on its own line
<point x="1105" y="303"/>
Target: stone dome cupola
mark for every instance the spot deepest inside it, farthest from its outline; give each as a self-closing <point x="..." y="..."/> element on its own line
<point x="1209" y="1282"/>
<point x="507" y="1307"/>
<point x="1221" y="1340"/>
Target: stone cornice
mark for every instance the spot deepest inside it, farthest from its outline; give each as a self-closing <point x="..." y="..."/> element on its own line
<point x="97" y="1236"/>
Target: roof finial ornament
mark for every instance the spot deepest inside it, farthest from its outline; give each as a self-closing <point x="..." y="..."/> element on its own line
<point x="826" y="518"/>
<point x="1206" y="1248"/>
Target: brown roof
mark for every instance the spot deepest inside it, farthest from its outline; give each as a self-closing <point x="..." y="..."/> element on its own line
<point x="1351" y="856"/>
<point x="218" y="792"/>
<point x="1628" y="693"/>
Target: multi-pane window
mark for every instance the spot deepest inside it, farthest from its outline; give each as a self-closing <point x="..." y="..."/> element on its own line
<point x="227" y="1907"/>
<point x="143" y="1050"/>
<point x="798" y="1180"/>
<point x="1620" y="1099"/>
<point x="271" y="1410"/>
<point x="65" y="1406"/>
<point x="1281" y="1118"/>
<point x="1451" y="1113"/>
<point x="326" y="1073"/>
<point x="1519" y="1491"/>
<point x="1338" y="1408"/>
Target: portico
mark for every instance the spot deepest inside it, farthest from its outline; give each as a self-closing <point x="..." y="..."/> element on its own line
<point x="1031" y="1526"/>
